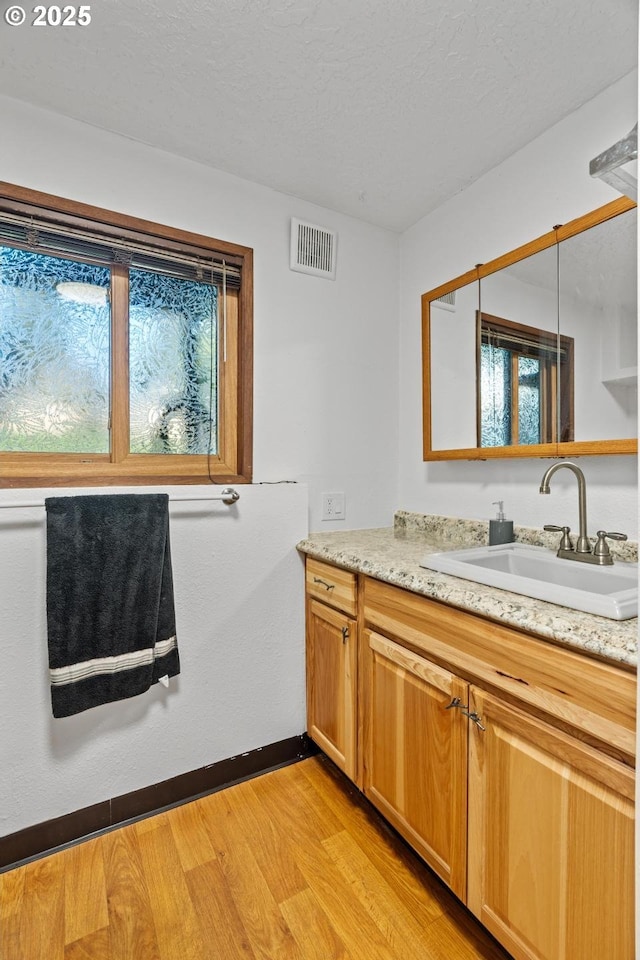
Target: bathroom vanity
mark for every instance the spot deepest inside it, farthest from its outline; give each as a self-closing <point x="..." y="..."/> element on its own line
<point x="494" y="732"/>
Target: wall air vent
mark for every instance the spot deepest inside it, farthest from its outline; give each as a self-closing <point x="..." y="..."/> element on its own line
<point x="313" y="249"/>
<point x="447" y="301"/>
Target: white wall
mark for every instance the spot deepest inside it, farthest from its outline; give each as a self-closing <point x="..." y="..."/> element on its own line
<point x="544" y="184"/>
<point x="325" y="415"/>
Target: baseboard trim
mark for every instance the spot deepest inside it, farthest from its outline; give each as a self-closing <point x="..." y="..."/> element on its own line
<point x="44" y="838"/>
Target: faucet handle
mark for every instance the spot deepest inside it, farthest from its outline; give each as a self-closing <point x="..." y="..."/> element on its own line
<point x="601" y="548"/>
<point x="565" y="543"/>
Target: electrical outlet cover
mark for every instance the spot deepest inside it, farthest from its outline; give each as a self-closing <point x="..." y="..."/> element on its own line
<point x="333" y="506"/>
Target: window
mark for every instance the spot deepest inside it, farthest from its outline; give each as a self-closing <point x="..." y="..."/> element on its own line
<point x="525" y="381"/>
<point x="125" y="349"/>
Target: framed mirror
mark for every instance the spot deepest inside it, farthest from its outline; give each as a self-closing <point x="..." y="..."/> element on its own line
<point x="529" y="355"/>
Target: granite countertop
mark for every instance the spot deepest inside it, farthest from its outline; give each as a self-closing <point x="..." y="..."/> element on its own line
<point x="393" y="554"/>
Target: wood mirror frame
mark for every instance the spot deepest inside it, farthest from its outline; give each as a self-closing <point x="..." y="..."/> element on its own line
<point x="560" y="449"/>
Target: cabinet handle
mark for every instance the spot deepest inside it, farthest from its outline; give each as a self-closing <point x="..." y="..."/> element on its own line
<point x="456" y="702"/>
<point x="476" y="719"/>
<point x="345" y="634"/>
<point x="329" y="586"/>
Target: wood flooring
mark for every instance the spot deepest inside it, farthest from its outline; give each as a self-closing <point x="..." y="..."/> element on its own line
<point x="292" y="865"/>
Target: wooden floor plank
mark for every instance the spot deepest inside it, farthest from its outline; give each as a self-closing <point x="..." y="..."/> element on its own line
<point x="43" y="929"/>
<point x="220" y="924"/>
<point x="355" y="928"/>
<point x="176" y="924"/>
<point x="95" y="946"/>
<point x="151" y="823"/>
<point x="85" y="899"/>
<point x="265" y="837"/>
<point x="11" y="908"/>
<point x="132" y="933"/>
<point x="407" y="933"/>
<point x="261" y="917"/>
<point x="299" y="811"/>
<point x="190" y="835"/>
<point x="38" y="929"/>
<point x="311" y="928"/>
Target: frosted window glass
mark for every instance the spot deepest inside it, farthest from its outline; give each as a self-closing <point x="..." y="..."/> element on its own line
<point x="54" y="354"/>
<point x="529" y="400"/>
<point x="174" y="384"/>
<point x="495" y="393"/>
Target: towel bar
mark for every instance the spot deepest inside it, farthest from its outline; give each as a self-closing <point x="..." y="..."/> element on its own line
<point x="228" y="495"/>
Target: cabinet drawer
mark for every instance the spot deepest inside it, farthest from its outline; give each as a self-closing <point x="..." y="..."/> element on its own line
<point x="332" y="585"/>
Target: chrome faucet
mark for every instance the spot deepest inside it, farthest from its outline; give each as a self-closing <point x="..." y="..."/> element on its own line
<point x="583" y="551"/>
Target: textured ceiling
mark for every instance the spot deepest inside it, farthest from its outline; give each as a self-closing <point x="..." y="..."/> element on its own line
<point x="381" y="109"/>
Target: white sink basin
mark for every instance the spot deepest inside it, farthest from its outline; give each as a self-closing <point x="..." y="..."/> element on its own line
<point x="537" y="572"/>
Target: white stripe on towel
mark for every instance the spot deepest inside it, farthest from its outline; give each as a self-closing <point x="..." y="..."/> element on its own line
<point x="101" y="665"/>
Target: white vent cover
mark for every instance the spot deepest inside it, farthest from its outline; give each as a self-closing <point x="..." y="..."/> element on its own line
<point x="313" y="249"/>
<point x="447" y="301"/>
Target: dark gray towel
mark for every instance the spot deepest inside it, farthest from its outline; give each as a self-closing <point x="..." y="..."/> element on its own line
<point x="110" y="610"/>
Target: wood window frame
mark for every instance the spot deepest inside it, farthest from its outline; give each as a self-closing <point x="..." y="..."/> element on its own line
<point x="233" y="461"/>
<point x="556" y="376"/>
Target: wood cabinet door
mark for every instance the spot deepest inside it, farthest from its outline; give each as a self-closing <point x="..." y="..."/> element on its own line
<point x="415" y="762"/>
<point x="331" y="684"/>
<point x="551" y="825"/>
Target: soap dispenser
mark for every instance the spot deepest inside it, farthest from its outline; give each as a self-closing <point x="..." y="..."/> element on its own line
<point x="500" y="530"/>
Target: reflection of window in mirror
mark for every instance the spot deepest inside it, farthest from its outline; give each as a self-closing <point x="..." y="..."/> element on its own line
<point x="522" y="390"/>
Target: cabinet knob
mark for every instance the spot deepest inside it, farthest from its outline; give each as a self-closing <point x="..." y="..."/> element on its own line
<point x="345" y="634"/>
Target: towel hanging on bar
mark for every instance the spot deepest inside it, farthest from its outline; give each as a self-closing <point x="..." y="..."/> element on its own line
<point x="110" y="607"/>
